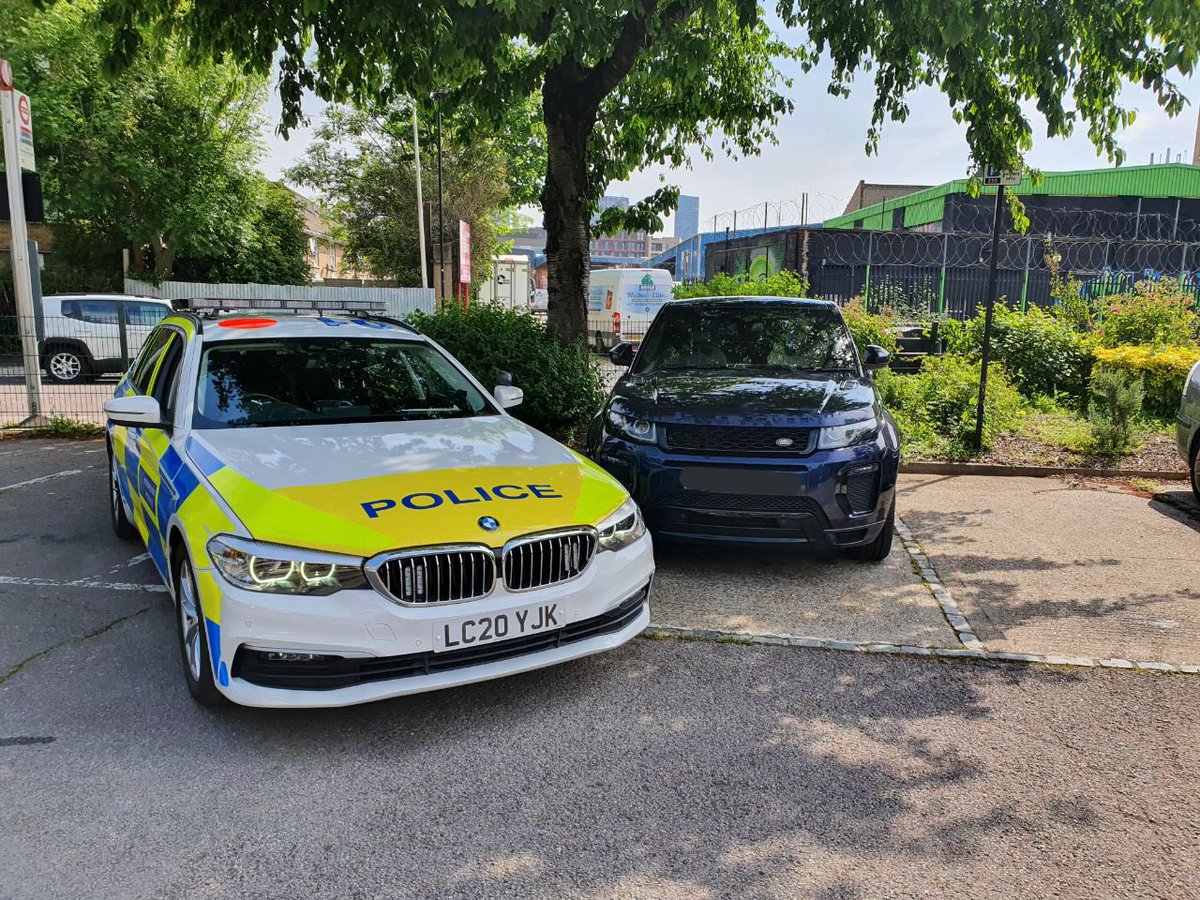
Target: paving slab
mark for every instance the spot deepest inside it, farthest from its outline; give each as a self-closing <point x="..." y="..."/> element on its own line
<point x="1043" y="565"/>
<point x="785" y="591"/>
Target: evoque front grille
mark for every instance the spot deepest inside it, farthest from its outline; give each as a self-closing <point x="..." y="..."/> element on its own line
<point x="437" y="575"/>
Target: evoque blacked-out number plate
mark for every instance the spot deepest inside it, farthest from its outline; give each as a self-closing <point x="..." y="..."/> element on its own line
<point x="471" y="631"/>
<point x="742" y="481"/>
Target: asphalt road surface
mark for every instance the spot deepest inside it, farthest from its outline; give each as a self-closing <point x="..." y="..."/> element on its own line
<point x="665" y="769"/>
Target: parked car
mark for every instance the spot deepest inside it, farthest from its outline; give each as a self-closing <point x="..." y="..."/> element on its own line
<point x="343" y="514"/>
<point x="622" y="302"/>
<point x="83" y="334"/>
<point x="1187" y="426"/>
<point x="753" y="419"/>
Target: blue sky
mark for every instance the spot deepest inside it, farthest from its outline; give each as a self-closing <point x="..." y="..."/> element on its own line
<point x="820" y="149"/>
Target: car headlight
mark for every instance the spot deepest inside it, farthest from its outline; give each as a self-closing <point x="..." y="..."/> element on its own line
<point x="835" y="436"/>
<point x="622" y="528"/>
<point x="632" y="427"/>
<point x="275" y="569"/>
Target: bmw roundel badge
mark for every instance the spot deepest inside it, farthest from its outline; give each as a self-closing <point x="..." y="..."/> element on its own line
<point x="487" y="523"/>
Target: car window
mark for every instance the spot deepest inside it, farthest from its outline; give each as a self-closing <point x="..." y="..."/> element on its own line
<point x="96" y="312"/>
<point x="163" y="386"/>
<point x="747" y="336"/>
<point x="147" y="361"/>
<point x="144" y="313"/>
<point x="322" y="380"/>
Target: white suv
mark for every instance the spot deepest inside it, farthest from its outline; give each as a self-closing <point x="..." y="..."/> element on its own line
<point x="85" y="335"/>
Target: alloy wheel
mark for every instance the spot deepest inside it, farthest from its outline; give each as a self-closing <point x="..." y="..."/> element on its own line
<point x="189" y="619"/>
<point x="66" y="366"/>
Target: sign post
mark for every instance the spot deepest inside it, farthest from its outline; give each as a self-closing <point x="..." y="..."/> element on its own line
<point x="18" y="155"/>
<point x="1000" y="180"/>
<point x="464" y="261"/>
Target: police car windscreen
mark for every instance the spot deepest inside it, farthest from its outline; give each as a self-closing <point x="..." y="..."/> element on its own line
<point x="778" y="337"/>
<point x="321" y="381"/>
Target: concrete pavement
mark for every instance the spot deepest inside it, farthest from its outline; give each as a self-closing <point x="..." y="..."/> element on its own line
<point x="1041" y="566"/>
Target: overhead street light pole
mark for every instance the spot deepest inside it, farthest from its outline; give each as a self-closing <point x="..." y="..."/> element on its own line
<point x="420" y="199"/>
<point x="439" y="95"/>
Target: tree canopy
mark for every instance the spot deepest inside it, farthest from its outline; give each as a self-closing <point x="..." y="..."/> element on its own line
<point x="626" y="83"/>
<point x="159" y="159"/>
<point x="361" y="164"/>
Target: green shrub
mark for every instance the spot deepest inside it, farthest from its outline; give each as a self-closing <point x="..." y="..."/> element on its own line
<point x="1163" y="371"/>
<point x="935" y="408"/>
<point x="870" y="328"/>
<point x="779" y="284"/>
<point x="1042" y="353"/>
<point x="1116" y="402"/>
<point x="562" y="384"/>
<point x="1157" y="314"/>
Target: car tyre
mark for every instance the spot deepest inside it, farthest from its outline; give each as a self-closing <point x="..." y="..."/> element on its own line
<point x="1196" y="471"/>
<point x="878" y="549"/>
<point x="120" y="521"/>
<point x="193" y="637"/>
<point x="66" y="365"/>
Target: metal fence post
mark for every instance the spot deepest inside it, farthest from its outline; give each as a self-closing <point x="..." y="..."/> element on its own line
<point x="867" y="282"/>
<point x="1025" y="279"/>
<point x="942" y="279"/>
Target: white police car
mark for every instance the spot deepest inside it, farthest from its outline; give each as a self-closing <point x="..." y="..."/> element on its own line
<point x="344" y="514"/>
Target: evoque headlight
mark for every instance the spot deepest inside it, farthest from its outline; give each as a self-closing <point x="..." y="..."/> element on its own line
<point x="622" y="528"/>
<point x="275" y="569"/>
<point x="632" y="427"/>
<point x="835" y="436"/>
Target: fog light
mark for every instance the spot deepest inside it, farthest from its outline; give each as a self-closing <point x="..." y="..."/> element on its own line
<point x="287" y="656"/>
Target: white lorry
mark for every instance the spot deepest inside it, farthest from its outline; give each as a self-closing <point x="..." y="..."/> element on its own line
<point x="623" y="302"/>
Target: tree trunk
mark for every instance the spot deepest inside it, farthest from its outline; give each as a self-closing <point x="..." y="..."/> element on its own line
<point x="564" y="202"/>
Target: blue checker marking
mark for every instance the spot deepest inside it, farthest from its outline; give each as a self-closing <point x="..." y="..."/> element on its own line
<point x="203" y="458"/>
<point x="214" y="650"/>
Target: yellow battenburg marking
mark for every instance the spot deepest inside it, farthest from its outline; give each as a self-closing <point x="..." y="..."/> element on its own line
<point x="369" y="515"/>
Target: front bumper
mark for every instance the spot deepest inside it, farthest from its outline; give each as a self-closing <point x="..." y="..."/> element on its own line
<point x="387" y="650"/>
<point x="821" y="515"/>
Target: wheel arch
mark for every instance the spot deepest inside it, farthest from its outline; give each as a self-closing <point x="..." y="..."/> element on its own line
<point x="50" y="344"/>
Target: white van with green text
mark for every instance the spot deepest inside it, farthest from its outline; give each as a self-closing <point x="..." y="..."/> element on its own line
<point x="622" y="303"/>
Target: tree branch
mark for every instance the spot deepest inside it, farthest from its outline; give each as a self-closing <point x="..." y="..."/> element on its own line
<point x="602" y="78"/>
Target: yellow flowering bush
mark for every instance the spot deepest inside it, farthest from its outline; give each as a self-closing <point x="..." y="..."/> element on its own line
<point x="1163" y="370"/>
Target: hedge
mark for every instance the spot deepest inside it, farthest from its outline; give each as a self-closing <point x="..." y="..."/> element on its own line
<point x="1163" y="369"/>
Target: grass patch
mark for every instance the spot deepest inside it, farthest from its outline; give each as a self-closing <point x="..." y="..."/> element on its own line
<point x="70" y="429"/>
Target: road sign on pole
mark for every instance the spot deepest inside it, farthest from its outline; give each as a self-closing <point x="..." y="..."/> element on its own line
<point x="996" y="178"/>
<point x="14" y="113"/>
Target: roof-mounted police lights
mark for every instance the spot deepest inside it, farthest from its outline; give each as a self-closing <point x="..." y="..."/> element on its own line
<point x="215" y="305"/>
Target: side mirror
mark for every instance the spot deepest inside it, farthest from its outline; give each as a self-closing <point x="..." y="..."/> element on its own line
<point x="622" y="355"/>
<point x="876" y="358"/>
<point x="507" y="395"/>
<point x="135" y="411"/>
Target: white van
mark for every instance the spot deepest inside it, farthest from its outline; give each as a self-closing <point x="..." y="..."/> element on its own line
<point x="622" y="303"/>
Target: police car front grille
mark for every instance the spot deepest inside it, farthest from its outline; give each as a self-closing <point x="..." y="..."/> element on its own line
<point x="439" y="576"/>
<point x="536" y="562"/>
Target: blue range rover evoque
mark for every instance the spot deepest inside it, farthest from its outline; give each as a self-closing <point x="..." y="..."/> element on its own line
<point x="751" y="420"/>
